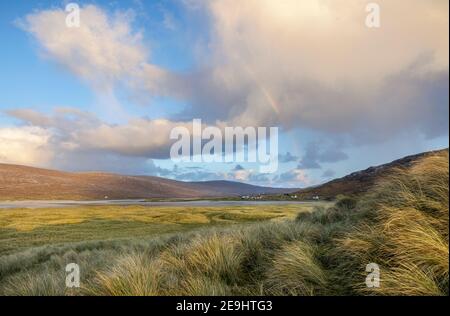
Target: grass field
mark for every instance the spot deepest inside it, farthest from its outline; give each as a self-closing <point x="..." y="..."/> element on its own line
<point x="401" y="225"/>
<point x="24" y="228"/>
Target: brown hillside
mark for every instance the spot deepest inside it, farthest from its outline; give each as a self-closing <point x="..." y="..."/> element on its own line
<point x="361" y="181"/>
<point x="28" y="183"/>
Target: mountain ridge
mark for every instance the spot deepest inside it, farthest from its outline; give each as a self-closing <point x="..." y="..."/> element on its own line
<point x="359" y="182"/>
<point x="19" y="182"/>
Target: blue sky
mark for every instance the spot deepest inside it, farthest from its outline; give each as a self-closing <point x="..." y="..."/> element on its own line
<point x="104" y="96"/>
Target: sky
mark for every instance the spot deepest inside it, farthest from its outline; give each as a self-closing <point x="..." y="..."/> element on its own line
<point x="105" y="95"/>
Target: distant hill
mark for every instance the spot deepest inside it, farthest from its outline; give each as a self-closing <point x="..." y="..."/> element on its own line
<point x="358" y="182"/>
<point x="28" y="183"/>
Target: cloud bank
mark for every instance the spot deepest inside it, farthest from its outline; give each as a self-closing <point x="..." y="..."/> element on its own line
<point x="307" y="64"/>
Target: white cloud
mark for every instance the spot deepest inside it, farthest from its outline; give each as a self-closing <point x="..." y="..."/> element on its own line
<point x="70" y="133"/>
<point x="168" y="21"/>
<point x="327" y="41"/>
<point x="104" y="50"/>
<point x="25" y="145"/>
<point x="140" y="137"/>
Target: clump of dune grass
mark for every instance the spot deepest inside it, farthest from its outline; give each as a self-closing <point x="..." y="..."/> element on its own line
<point x="131" y="275"/>
<point x="407" y="234"/>
<point x="296" y="271"/>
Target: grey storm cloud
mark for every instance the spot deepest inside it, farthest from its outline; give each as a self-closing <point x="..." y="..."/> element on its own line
<point x="314" y="156"/>
<point x="293" y="178"/>
<point x="92" y="161"/>
<point x="260" y="178"/>
<point x="328" y="174"/>
<point x="288" y="157"/>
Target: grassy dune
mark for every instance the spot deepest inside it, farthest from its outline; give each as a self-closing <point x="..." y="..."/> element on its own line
<point x="401" y="225"/>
